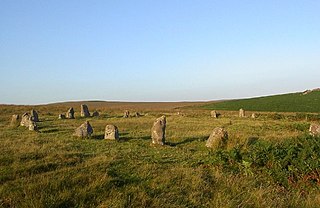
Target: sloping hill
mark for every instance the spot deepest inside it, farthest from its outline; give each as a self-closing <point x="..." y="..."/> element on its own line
<point x="293" y="102"/>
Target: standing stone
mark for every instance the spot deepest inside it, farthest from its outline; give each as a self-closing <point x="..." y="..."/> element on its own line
<point x="314" y="130"/>
<point x="214" y="114"/>
<point x="111" y="132"/>
<point x="95" y="114"/>
<point x="158" y="131"/>
<point x="33" y="126"/>
<point x="85" y="130"/>
<point x="15" y="120"/>
<point x="218" y="138"/>
<point x="62" y="116"/>
<point x="25" y="119"/>
<point x="70" y="113"/>
<point x="126" y="114"/>
<point x="137" y="114"/>
<point x="34" y="116"/>
<point x="242" y="113"/>
<point x="254" y="115"/>
<point x="85" y="111"/>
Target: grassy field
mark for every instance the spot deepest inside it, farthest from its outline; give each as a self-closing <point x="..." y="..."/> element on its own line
<point x="294" y="102"/>
<point x="269" y="162"/>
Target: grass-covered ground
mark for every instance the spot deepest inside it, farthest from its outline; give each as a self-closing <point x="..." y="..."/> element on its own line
<point x="294" y="102"/>
<point x="269" y="162"/>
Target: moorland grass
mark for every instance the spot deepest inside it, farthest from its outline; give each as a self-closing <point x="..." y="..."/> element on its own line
<point x="293" y="102"/>
<point x="269" y="162"/>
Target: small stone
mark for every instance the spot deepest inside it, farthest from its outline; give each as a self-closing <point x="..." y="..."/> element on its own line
<point x="314" y="130"/>
<point x="158" y="131"/>
<point x="95" y="114"/>
<point x="15" y="120"/>
<point x="214" y="114"/>
<point x="253" y="115"/>
<point x="62" y="116"/>
<point x="218" y="138"/>
<point x="70" y="113"/>
<point x="137" y="114"/>
<point x="34" y="116"/>
<point x="242" y="113"/>
<point x="126" y="114"/>
<point x="85" y="130"/>
<point x="85" y="111"/>
<point x="111" y="132"/>
<point x="33" y="126"/>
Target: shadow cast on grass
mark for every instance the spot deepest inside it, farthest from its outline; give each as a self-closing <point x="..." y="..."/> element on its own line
<point x="186" y="141"/>
<point x="125" y="139"/>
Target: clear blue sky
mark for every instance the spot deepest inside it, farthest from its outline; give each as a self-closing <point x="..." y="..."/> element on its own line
<point x="167" y="50"/>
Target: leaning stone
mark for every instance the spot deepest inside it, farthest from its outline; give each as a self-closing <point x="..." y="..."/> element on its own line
<point x="242" y="113"/>
<point x="95" y="114"/>
<point x="62" y="116"/>
<point x="111" y="132"/>
<point x="70" y="113"/>
<point x="314" y="130"/>
<point x="218" y="138"/>
<point x="85" y="130"/>
<point x="15" y="120"/>
<point x="126" y="114"/>
<point x="214" y="114"/>
<point x="85" y="111"/>
<point x="34" y="116"/>
<point x="25" y="119"/>
<point x="158" y="131"/>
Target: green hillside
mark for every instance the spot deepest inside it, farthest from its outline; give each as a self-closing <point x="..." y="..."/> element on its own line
<point x="293" y="102"/>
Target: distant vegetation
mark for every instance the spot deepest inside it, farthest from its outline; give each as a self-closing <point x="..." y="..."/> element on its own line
<point x="293" y="102"/>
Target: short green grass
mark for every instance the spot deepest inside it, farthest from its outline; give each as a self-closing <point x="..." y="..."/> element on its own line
<point x="294" y="102"/>
<point x="269" y="162"/>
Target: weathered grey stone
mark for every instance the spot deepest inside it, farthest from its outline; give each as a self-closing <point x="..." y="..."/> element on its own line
<point x="242" y="113"/>
<point x="137" y="114"/>
<point x="95" y="114"/>
<point x="25" y="119"/>
<point x="15" y="120"/>
<point x="214" y="114"/>
<point x="85" y="130"/>
<point x="62" y="116"/>
<point x="253" y="115"/>
<point x="158" y="131"/>
<point x="70" y="113"/>
<point x="314" y="130"/>
<point x="218" y="138"/>
<point x="34" y="116"/>
<point x="126" y="114"/>
<point x="85" y="111"/>
<point x="33" y="126"/>
<point x="111" y="132"/>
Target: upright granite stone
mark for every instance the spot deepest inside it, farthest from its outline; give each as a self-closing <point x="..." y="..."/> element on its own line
<point x="85" y="111"/>
<point x="62" y="116"/>
<point x="126" y="114"/>
<point x="15" y="120"/>
<point x="111" y="132"/>
<point x="214" y="114"/>
<point x="25" y="119"/>
<point x="33" y="126"/>
<point x="70" y="113"/>
<point x="242" y="113"/>
<point x="34" y="116"/>
<point x="218" y="138"/>
<point x="83" y="131"/>
<point x="314" y="130"/>
<point x="95" y="114"/>
<point x="158" y="131"/>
